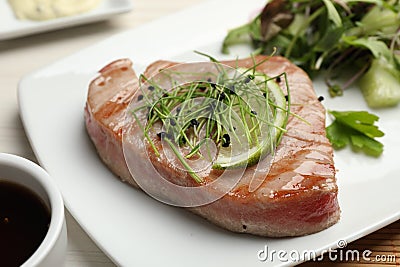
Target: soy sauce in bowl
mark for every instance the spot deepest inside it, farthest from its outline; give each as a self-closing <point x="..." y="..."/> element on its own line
<point x="24" y="222"/>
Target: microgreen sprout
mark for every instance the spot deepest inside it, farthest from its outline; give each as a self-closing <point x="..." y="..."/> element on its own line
<point x="225" y="106"/>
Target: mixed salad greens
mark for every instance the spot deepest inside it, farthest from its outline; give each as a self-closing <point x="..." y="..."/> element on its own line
<point x="349" y="40"/>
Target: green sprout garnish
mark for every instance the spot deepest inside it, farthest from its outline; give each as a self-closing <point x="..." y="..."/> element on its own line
<point x="242" y="111"/>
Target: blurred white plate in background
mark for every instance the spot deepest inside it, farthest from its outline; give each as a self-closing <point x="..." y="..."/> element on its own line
<point x="11" y="27"/>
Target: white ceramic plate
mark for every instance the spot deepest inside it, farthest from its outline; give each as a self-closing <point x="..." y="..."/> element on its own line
<point x="130" y="226"/>
<point x="11" y="27"/>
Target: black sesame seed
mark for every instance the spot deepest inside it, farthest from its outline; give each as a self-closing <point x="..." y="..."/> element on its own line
<point x="162" y="135"/>
<point x="226" y="140"/>
<point x="194" y="122"/>
<point x="231" y="89"/>
<point x="265" y="95"/>
<point x="278" y="79"/>
<point x="287" y="97"/>
<point x="183" y="141"/>
<point x="140" y="97"/>
<point x="172" y="122"/>
<point x="221" y="96"/>
<point x="226" y="137"/>
<point x="244" y="227"/>
<point x="321" y="98"/>
<point x="151" y="88"/>
<point x="225" y="144"/>
<point x="178" y="110"/>
<point x="202" y="88"/>
<point x="209" y="80"/>
<point x="253" y="112"/>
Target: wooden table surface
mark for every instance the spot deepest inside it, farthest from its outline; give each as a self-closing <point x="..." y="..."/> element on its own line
<point x="24" y="55"/>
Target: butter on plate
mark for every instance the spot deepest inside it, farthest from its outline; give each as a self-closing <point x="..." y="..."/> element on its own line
<point x="50" y="9"/>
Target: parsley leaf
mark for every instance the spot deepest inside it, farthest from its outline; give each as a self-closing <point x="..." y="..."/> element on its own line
<point x="357" y="129"/>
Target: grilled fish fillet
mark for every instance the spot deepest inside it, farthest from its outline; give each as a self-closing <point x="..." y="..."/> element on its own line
<point x="299" y="194"/>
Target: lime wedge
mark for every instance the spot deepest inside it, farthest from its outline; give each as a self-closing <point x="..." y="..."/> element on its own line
<point x="269" y="116"/>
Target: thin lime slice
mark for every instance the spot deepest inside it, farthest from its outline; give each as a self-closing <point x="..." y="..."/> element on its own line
<point x="271" y="118"/>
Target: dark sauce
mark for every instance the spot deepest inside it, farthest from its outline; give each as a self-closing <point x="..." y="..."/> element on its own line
<point x="24" y="222"/>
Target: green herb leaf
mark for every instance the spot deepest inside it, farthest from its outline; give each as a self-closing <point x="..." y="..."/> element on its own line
<point x="332" y="13"/>
<point x="378" y="48"/>
<point x="356" y="128"/>
<point x="330" y="38"/>
<point x="368" y="145"/>
<point x="241" y="34"/>
<point x="338" y="135"/>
